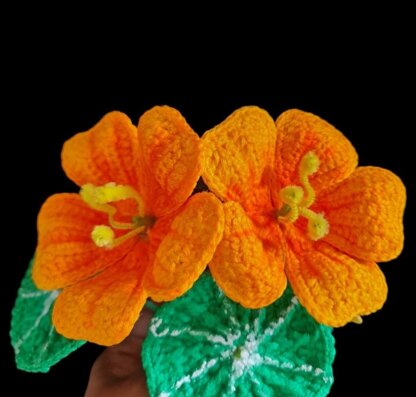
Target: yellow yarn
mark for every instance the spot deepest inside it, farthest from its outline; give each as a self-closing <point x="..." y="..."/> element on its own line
<point x="103" y="236"/>
<point x="296" y="203"/>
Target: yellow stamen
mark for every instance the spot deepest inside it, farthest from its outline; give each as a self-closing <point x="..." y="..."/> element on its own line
<point x="291" y="195"/>
<point x="296" y="203"/>
<point x="308" y="166"/>
<point x="99" y="197"/>
<point x="318" y="226"/>
<point x="88" y="193"/>
<point x="103" y="236"/>
<point x="357" y="320"/>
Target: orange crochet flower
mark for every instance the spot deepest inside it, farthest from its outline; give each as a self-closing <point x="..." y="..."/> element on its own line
<point x="296" y="206"/>
<point x="132" y="232"/>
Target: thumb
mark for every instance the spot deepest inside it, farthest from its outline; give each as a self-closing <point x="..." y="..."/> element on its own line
<point x="118" y="371"/>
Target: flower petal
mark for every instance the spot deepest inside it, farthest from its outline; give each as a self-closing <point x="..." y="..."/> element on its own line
<point x="104" y="308"/>
<point x="365" y="214"/>
<point x="187" y="247"/>
<point x="332" y="286"/>
<point x="246" y="266"/>
<point x="299" y="133"/>
<point x="66" y="253"/>
<point x="106" y="153"/>
<point x="237" y="156"/>
<point x="169" y="159"/>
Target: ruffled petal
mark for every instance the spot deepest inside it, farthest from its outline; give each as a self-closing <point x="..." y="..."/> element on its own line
<point x="66" y="253"/>
<point x="169" y="159"/>
<point x="247" y="266"/>
<point x="365" y="214"/>
<point x="334" y="287"/>
<point x="187" y="247"/>
<point x="107" y="152"/>
<point x="237" y="156"/>
<point x="300" y="132"/>
<point x="104" y="308"/>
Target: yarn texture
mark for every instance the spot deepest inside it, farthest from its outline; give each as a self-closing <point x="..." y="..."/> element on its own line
<point x="133" y="232"/>
<point x="203" y="344"/>
<point x="298" y="208"/>
<point x="291" y="230"/>
<point x="36" y="344"/>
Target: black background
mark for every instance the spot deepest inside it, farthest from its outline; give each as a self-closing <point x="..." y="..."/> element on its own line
<point x="55" y="92"/>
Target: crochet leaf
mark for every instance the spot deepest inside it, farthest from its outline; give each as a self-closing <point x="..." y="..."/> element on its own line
<point x="36" y="344"/>
<point x="204" y="344"/>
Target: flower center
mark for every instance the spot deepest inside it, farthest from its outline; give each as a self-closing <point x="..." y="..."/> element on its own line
<point x="297" y="200"/>
<point x="99" y="198"/>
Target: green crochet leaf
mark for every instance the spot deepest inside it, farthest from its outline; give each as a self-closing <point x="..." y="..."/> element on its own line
<point x="203" y="344"/>
<point x="36" y="344"/>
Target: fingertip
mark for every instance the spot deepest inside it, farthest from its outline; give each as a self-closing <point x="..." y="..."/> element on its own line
<point x="142" y="324"/>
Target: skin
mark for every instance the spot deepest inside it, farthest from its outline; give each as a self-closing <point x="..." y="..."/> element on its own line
<point x="118" y="371"/>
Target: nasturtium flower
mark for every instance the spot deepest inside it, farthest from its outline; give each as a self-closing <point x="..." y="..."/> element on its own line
<point x="133" y="232"/>
<point x="297" y="207"/>
<point x="203" y="344"/>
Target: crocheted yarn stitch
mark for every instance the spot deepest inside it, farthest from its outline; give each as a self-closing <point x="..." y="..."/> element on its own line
<point x="132" y="232"/>
<point x="36" y="344"/>
<point x="287" y="204"/>
<point x="203" y="344"/>
<point x="298" y="208"/>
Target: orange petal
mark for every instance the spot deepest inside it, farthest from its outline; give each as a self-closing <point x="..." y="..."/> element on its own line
<point x="169" y="159"/>
<point x="365" y="214"/>
<point x="66" y="253"/>
<point x="246" y="266"/>
<point x="237" y="156"/>
<point x="333" y="287"/>
<point x="105" y="153"/>
<point x="104" y="308"/>
<point x="187" y="247"/>
<point x="300" y="132"/>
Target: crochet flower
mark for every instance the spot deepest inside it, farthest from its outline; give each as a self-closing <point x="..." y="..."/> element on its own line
<point x="132" y="232"/>
<point x="297" y="206"/>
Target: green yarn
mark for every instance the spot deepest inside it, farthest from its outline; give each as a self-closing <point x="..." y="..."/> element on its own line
<point x="203" y="344"/>
<point x="36" y="345"/>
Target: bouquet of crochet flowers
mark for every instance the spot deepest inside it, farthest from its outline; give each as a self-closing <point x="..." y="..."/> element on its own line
<point x="254" y="269"/>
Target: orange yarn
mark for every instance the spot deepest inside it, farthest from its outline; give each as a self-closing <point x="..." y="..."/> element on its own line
<point x="133" y="233"/>
<point x="295" y="201"/>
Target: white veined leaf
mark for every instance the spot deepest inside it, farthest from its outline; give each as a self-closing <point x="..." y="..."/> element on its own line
<point x="203" y="344"/>
<point x="36" y="344"/>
